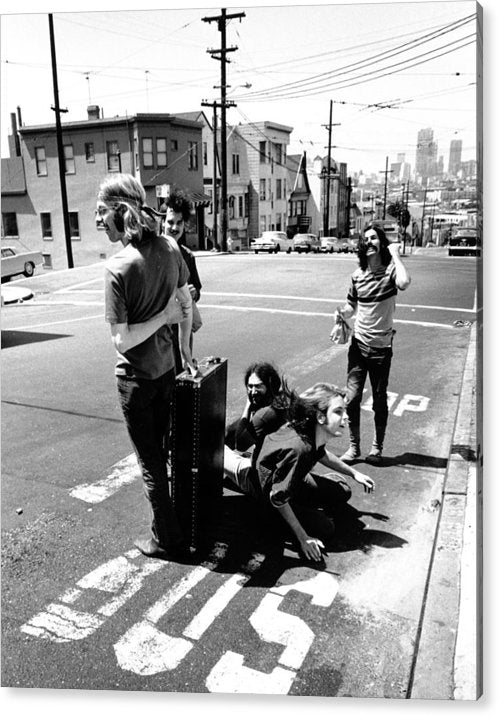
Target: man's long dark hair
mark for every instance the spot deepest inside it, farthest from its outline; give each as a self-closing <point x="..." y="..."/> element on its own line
<point x="275" y="384"/>
<point x="385" y="256"/>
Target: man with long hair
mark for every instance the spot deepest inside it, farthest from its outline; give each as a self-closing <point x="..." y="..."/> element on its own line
<point x="372" y="300"/>
<point x="144" y="283"/>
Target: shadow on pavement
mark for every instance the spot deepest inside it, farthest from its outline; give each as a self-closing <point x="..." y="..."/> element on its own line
<point x="249" y="530"/>
<point x="415" y="459"/>
<point x="19" y="338"/>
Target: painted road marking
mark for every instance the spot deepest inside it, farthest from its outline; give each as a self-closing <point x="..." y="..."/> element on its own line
<point x="145" y="649"/>
<point x="122" y="473"/>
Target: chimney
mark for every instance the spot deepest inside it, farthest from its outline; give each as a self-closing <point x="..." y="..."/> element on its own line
<point x="93" y="111"/>
<point x="15" y="134"/>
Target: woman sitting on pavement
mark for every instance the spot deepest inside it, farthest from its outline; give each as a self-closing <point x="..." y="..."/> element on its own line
<point x="281" y="476"/>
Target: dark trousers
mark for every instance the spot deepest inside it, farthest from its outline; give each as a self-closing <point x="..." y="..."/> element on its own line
<point x="146" y="406"/>
<point x="364" y="360"/>
<point x="316" y="501"/>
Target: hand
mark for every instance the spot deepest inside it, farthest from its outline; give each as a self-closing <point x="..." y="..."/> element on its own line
<point x="367" y="482"/>
<point x="188" y="363"/>
<point x="193" y="291"/>
<point x="394" y="248"/>
<point x="312" y="547"/>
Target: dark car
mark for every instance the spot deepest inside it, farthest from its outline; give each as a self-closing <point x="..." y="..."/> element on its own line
<point x="465" y="242"/>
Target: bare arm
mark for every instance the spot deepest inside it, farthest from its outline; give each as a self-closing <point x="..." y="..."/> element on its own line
<point x="335" y="463"/>
<point x="310" y="546"/>
<point x="403" y="278"/>
<point x="128" y="335"/>
<point x="185" y="327"/>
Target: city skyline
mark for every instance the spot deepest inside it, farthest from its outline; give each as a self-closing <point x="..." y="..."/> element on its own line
<point x="399" y="77"/>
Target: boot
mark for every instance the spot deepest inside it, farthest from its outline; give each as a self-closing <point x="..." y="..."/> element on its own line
<point x="353" y="451"/>
<point x="375" y="455"/>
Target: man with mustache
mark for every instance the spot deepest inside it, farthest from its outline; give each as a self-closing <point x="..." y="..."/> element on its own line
<point x="372" y="300"/>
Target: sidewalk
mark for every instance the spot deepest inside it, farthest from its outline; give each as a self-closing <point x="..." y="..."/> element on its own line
<point x="450" y="638"/>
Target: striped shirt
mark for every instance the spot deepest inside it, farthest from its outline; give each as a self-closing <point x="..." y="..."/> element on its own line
<point x="373" y="293"/>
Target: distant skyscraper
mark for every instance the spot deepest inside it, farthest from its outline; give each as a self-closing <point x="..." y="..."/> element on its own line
<point x="426" y="155"/>
<point x="455" y="159"/>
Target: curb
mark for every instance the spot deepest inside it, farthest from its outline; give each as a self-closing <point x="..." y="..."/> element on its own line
<point x="447" y="664"/>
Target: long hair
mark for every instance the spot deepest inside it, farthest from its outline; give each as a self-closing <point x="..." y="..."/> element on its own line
<point x="179" y="203"/>
<point x="276" y="385"/>
<point x="304" y="408"/>
<point x="125" y="194"/>
<point x="385" y="256"/>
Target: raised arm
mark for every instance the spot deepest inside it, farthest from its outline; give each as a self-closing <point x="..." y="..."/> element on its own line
<point x="403" y="278"/>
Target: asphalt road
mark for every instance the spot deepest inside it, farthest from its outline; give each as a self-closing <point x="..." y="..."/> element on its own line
<point x="81" y="609"/>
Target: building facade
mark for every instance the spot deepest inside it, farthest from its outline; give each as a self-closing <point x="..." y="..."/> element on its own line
<point x="161" y="150"/>
<point x="426" y="156"/>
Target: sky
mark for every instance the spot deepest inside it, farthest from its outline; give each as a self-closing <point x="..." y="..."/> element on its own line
<point x="387" y="69"/>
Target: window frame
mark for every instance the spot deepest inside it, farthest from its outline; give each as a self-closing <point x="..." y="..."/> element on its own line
<point x="113" y="153"/>
<point x="148" y="153"/>
<point x="74" y="226"/>
<point x="46" y="231"/>
<point x="6" y="218"/>
<point x="161" y="152"/>
<point x="41" y="161"/>
<point x="69" y="163"/>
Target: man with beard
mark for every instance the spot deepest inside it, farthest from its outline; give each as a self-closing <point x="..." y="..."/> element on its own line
<point x="372" y="300"/>
<point x="264" y="412"/>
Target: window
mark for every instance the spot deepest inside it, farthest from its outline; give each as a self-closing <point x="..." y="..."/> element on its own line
<point x="74" y="226"/>
<point x="46" y="225"/>
<point x="210" y="194"/>
<point x="41" y="162"/>
<point x="262" y="152"/>
<point x="278" y="152"/>
<point x="147" y="152"/>
<point x="278" y="223"/>
<point x="246" y="204"/>
<point x="241" y="206"/>
<point x="231" y="207"/>
<point x="204" y="153"/>
<point x="89" y="152"/>
<point x="279" y="189"/>
<point x="69" y="166"/>
<point x="162" y="152"/>
<point x="235" y="164"/>
<point x="262" y="189"/>
<point x="174" y="145"/>
<point x="9" y="224"/>
<point x="113" y="157"/>
<point x="192" y="156"/>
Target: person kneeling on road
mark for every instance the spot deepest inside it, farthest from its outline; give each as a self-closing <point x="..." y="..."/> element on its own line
<point x="281" y="476"/>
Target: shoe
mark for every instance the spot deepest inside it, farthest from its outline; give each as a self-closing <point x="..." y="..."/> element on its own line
<point x="150" y="548"/>
<point x="374" y="457"/>
<point x="352" y="453"/>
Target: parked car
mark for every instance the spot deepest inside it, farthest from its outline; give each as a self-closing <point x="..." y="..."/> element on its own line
<point x="465" y="243"/>
<point x="273" y="242"/>
<point x="354" y="245"/>
<point x="15" y="263"/>
<point x="329" y="244"/>
<point x="306" y="243"/>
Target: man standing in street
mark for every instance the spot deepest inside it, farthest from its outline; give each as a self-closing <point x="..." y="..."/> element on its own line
<point x="142" y="283"/>
<point x="372" y="300"/>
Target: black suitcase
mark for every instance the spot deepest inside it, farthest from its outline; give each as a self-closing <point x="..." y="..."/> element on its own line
<point x="197" y="447"/>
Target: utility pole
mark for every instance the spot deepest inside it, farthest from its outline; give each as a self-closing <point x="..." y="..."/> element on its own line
<point x="348" y="207"/>
<point x="386" y="172"/>
<point x="60" y="148"/>
<point x="221" y="55"/>
<point x="326" y="217"/>
<point x="214" y="105"/>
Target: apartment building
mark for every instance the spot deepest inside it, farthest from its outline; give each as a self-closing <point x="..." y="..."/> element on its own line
<point x="162" y="150"/>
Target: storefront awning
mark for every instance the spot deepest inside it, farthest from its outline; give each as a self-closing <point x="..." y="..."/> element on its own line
<point x="199" y="199"/>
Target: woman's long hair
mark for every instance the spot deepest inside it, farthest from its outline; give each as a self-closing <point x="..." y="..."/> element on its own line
<point x="304" y="408"/>
<point x="125" y="194"/>
<point x="385" y="256"/>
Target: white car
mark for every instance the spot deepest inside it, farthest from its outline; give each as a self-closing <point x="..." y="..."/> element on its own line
<point x="15" y="263"/>
<point x="306" y="243"/>
<point x="273" y="242"/>
<point x="329" y="244"/>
